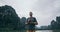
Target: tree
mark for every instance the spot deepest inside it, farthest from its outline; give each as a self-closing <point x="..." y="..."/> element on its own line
<point x="8" y="17"/>
<point x="55" y="24"/>
<point x="23" y="20"/>
<point x="58" y="22"/>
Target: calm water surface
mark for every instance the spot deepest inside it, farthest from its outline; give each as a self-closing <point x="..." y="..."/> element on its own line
<point x="48" y="31"/>
<point x="44" y="31"/>
<point x="35" y="31"/>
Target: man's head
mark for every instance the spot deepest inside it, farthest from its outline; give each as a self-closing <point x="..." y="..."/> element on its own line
<point x="30" y="14"/>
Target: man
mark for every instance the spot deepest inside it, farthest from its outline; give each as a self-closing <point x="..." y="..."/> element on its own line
<point x="31" y="22"/>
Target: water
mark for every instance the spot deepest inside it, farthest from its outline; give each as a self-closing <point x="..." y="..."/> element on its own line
<point x="44" y="31"/>
<point x="48" y="31"/>
<point x="35" y="31"/>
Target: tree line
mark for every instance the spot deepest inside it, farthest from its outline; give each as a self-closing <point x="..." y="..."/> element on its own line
<point x="10" y="19"/>
<point x="55" y="24"/>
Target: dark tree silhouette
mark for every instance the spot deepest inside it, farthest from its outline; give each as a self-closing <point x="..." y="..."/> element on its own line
<point x="58" y="22"/>
<point x="55" y="24"/>
<point x="8" y="17"/>
<point x="23" y="20"/>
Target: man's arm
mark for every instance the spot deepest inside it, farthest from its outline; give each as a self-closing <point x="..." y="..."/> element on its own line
<point x="35" y="21"/>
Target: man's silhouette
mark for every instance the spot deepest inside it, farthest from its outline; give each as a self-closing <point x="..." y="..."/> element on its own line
<point x="31" y="22"/>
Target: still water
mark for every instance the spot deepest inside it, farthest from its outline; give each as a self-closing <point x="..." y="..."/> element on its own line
<point x="35" y="31"/>
<point x="44" y="31"/>
<point x="48" y="31"/>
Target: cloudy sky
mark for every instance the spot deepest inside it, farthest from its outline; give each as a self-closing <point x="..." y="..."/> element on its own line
<point x="43" y="10"/>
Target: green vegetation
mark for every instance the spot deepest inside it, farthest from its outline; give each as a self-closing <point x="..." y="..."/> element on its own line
<point x="55" y="24"/>
<point x="8" y="17"/>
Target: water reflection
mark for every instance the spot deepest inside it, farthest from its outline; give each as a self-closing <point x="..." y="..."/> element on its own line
<point x="48" y="31"/>
<point x="56" y="30"/>
<point x="44" y="31"/>
<point x="35" y="31"/>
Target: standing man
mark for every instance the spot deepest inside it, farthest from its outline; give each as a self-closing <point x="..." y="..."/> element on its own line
<point x="31" y="22"/>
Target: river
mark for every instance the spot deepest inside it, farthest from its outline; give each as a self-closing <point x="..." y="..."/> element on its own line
<point x="48" y="31"/>
<point x="44" y="31"/>
<point x="35" y="31"/>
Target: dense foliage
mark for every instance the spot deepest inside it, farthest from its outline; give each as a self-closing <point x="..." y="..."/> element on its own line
<point x="55" y="24"/>
<point x="8" y="17"/>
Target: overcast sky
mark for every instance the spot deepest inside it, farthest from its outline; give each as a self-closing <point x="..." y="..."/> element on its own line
<point x="43" y="10"/>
